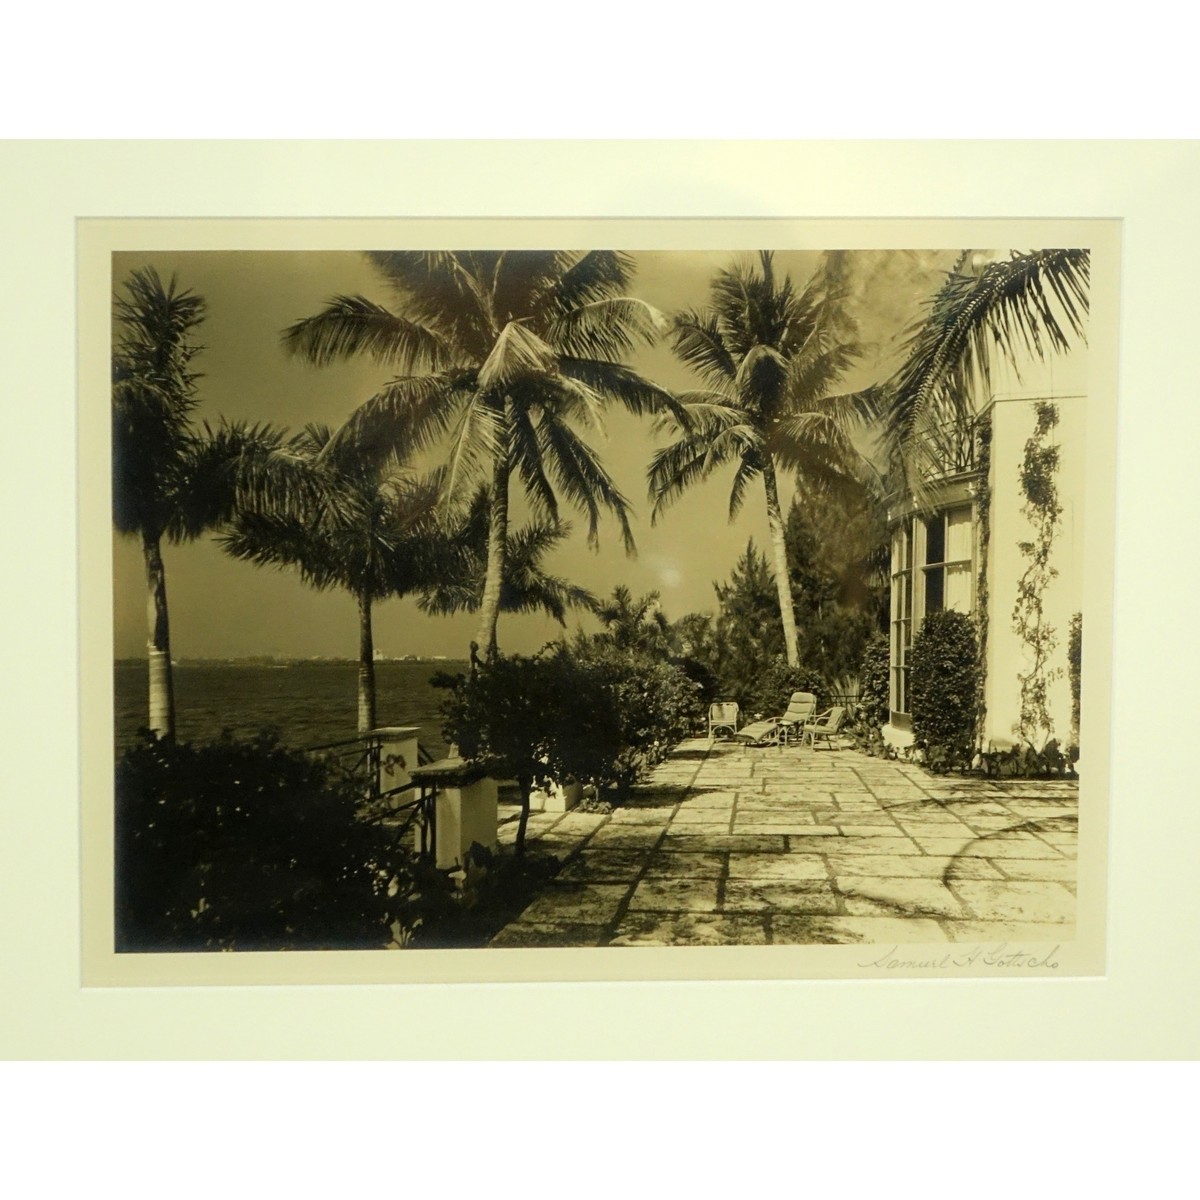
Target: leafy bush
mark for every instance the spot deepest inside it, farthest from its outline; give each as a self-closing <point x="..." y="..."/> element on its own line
<point x="246" y="845"/>
<point x="873" y="678"/>
<point x="1075" y="667"/>
<point x="593" y="712"/>
<point x="872" y="710"/>
<point x="627" y="714"/>
<point x="943" y="676"/>
<point x="768" y="692"/>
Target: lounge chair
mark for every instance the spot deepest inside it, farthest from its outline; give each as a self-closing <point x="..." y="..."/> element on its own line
<point x="723" y="715"/>
<point x="772" y="731"/>
<point x="826" y="726"/>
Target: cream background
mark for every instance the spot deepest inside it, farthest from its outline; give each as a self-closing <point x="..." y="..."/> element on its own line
<point x="1151" y="973"/>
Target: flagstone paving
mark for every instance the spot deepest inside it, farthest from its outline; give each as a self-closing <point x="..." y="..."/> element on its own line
<point x="733" y="845"/>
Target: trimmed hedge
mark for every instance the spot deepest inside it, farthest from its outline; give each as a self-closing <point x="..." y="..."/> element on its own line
<point x="942" y="689"/>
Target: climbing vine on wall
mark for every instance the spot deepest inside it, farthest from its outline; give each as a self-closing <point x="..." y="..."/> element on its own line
<point x="1043" y="511"/>
<point x="1075" y="666"/>
<point x="983" y="508"/>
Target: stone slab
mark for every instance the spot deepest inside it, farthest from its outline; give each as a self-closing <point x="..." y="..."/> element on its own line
<point x="988" y="847"/>
<point x="683" y="864"/>
<point x="582" y="903"/>
<point x="913" y="866"/>
<point x="675" y="895"/>
<point x="689" y="929"/>
<point x="748" y="895"/>
<point x="1013" y="933"/>
<point x="777" y="867"/>
<point x="881" y="896"/>
<point x="604" y="866"/>
<point x="822" y="930"/>
<point x="529" y="934"/>
<point x="1017" y="900"/>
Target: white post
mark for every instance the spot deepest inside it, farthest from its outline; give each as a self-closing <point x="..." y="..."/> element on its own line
<point x="397" y="757"/>
<point x="467" y="809"/>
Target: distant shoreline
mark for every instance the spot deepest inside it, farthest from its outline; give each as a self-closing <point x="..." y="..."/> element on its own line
<point x="263" y="660"/>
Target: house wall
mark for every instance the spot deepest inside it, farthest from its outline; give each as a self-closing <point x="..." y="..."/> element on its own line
<point x="1013" y="422"/>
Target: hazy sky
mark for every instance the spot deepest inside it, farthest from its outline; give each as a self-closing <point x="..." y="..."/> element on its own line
<point x="223" y="608"/>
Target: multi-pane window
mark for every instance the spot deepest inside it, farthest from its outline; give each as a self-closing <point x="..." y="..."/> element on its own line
<point x="947" y="568"/>
<point x="902" y="592"/>
<point x="932" y="570"/>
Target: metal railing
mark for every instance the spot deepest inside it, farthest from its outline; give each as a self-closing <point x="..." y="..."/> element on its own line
<point x="360" y="760"/>
<point x="950" y="447"/>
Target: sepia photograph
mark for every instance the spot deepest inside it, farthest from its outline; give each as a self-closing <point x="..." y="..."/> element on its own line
<point x="725" y="597"/>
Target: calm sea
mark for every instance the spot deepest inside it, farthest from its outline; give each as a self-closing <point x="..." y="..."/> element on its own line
<point x="308" y="703"/>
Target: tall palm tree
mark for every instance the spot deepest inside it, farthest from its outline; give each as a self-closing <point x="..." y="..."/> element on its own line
<point x="769" y="355"/>
<point x="527" y="587"/>
<point x="364" y="524"/>
<point x="172" y="479"/>
<point x="500" y="354"/>
<point x="1032" y="303"/>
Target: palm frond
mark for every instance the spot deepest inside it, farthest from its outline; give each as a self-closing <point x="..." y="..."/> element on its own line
<point x="621" y="385"/>
<point x="350" y="326"/>
<point x="477" y="437"/>
<point x="586" y="278"/>
<point x="749" y="469"/>
<point x="517" y="355"/>
<point x="698" y="343"/>
<point x="407" y="416"/>
<point x="693" y="457"/>
<point x="605" y="329"/>
<point x="1033" y="303"/>
<point x="581" y="479"/>
<point x="446" y="291"/>
<point x="526" y="452"/>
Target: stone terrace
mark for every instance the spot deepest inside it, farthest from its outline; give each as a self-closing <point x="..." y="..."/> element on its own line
<point x="744" y="846"/>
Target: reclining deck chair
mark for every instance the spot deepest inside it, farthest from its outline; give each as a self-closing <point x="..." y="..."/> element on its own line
<point x="772" y="731"/>
<point x="827" y="725"/>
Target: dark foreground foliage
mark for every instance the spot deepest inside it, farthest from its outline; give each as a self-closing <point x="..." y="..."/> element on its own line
<point x="247" y="845"/>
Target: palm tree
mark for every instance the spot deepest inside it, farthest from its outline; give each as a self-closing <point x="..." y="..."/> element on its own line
<point x="500" y="353"/>
<point x="527" y="586"/>
<point x="1032" y="303"/>
<point x="172" y="480"/>
<point x="634" y="624"/>
<point x="770" y="356"/>
<point x="365" y="525"/>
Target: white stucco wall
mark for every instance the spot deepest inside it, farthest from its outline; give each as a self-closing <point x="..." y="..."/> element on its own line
<point x="1013" y="421"/>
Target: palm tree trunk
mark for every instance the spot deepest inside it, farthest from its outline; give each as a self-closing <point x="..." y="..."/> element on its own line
<point x="366" y="666"/>
<point x="497" y="551"/>
<point x="779" y="547"/>
<point x="158" y="645"/>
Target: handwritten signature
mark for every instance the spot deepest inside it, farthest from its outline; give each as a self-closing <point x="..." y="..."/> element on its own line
<point x="1000" y="956"/>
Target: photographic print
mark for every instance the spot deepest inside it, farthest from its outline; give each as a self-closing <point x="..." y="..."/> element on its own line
<point x="533" y="600"/>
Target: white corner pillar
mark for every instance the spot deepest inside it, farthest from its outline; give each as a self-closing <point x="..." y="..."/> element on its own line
<point x="397" y="756"/>
<point x="466" y="809"/>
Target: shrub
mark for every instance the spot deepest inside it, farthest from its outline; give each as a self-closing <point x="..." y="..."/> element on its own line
<point x="943" y="673"/>
<point x="509" y="711"/>
<point x="1075" y="667"/>
<point x="872" y="710"/>
<point x="873" y="680"/>
<point x="593" y="712"/>
<point x="625" y="716"/>
<point x="246" y="845"/>
<point x="768" y="692"/>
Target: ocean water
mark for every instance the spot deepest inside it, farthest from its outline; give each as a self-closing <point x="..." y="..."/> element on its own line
<point x="308" y="703"/>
